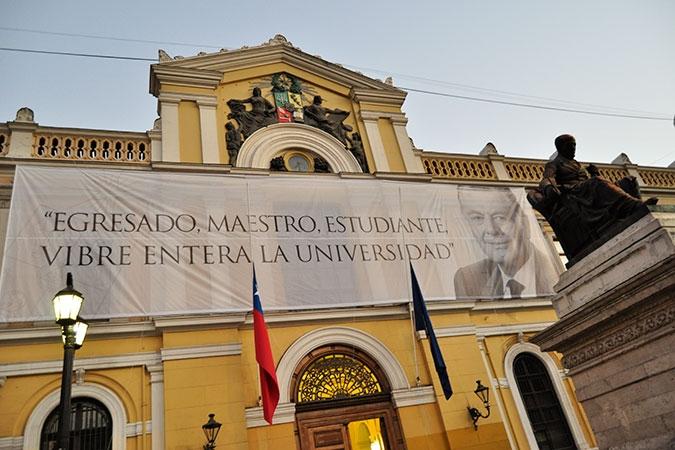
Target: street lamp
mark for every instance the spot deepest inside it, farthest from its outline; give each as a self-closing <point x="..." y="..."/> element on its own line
<point x="483" y="393"/>
<point x="67" y="304"/>
<point x="211" y="429"/>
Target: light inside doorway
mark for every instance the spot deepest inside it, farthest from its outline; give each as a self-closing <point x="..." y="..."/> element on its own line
<point x="366" y="435"/>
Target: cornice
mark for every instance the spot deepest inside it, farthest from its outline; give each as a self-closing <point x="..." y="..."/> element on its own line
<point x="632" y="334"/>
<point x="421" y="395"/>
<point x="201" y="351"/>
<point x="498" y="330"/>
<point x="366" y="115"/>
<point x="205" y="100"/>
<point x="93" y="363"/>
<point x="52" y="332"/>
<point x="285" y="413"/>
<point x="482" y="332"/>
<point x="22" y="126"/>
<point x="223" y="62"/>
<point x="180" y="76"/>
<point x="390" y="98"/>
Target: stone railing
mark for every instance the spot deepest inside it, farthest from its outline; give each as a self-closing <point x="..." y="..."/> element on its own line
<point x="525" y="171"/>
<point x="91" y="146"/>
<point x="658" y="178"/>
<point x="530" y="171"/>
<point x="459" y="168"/>
<point x="612" y="174"/>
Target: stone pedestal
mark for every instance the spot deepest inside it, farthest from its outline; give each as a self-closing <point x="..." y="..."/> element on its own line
<point x="616" y="332"/>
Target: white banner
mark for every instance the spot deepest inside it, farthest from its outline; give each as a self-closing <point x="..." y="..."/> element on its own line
<point x="148" y="243"/>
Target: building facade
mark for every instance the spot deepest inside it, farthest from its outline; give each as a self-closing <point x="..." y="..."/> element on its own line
<point x="352" y="376"/>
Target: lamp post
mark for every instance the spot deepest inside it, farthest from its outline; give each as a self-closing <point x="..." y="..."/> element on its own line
<point x="482" y="393"/>
<point x="211" y="429"/>
<point x="67" y="304"/>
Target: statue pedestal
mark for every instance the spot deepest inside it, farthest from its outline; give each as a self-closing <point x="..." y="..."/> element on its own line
<point x="616" y="332"/>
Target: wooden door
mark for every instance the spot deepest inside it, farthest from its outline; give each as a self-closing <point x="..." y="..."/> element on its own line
<point x="327" y="437"/>
<point x="323" y="427"/>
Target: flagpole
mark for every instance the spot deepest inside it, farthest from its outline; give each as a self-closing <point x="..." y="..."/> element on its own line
<point x="410" y="309"/>
<point x="250" y="246"/>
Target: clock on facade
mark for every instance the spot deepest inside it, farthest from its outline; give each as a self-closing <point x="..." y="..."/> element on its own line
<point x="298" y="163"/>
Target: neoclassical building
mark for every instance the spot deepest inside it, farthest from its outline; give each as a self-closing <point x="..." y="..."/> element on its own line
<point x="275" y="128"/>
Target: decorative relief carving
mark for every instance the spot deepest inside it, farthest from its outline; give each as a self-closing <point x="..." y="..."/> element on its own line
<point x="288" y="94"/>
<point x="620" y="338"/>
<point x="4" y="142"/>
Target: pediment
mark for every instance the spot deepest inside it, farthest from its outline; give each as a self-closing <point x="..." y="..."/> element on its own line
<point x="207" y="69"/>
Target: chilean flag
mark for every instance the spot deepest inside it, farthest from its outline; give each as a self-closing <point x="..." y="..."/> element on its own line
<point x="269" y="387"/>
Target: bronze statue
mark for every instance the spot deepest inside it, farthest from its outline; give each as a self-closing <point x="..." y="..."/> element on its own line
<point x="233" y="139"/>
<point x="277" y="164"/>
<point x="262" y="113"/>
<point x="357" y="151"/>
<point x="321" y="165"/>
<point x="328" y="120"/>
<point x="581" y="209"/>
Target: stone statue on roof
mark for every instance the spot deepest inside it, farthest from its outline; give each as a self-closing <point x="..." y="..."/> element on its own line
<point x="328" y="120"/>
<point x="261" y="114"/>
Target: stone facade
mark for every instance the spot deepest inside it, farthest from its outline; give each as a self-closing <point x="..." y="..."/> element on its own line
<point x="616" y="331"/>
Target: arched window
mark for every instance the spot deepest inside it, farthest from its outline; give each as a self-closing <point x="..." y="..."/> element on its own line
<point x="546" y="416"/>
<point x="90" y="429"/>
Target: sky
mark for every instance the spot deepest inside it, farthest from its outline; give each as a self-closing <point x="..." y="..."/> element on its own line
<point x="608" y="56"/>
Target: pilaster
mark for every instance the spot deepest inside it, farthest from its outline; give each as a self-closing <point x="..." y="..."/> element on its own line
<point x="209" y="130"/>
<point x="170" y="131"/>
<point x="413" y="164"/>
<point x="500" y="169"/>
<point x="155" y="136"/>
<point x="22" y="139"/>
<point x="157" y="401"/>
<point x="369" y="119"/>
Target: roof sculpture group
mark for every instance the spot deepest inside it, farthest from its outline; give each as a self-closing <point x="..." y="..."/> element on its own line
<point x="288" y="107"/>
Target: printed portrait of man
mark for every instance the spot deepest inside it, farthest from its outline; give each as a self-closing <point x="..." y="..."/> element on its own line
<point x="512" y="267"/>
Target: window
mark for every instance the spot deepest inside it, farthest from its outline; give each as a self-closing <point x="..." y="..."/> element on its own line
<point x="90" y="429"/>
<point x="546" y="416"/>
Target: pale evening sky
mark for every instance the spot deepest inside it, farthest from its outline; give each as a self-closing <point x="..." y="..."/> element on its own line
<point x="606" y="56"/>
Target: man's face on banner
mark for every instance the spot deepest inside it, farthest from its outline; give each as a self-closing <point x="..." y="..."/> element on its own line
<point x="496" y="222"/>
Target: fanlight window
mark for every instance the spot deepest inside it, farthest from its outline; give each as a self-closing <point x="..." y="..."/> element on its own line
<point x="336" y="376"/>
<point x="91" y="426"/>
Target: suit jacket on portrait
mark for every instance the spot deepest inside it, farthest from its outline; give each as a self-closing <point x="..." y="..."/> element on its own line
<point x="483" y="279"/>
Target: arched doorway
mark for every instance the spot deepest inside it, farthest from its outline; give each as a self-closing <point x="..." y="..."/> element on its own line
<point x="91" y="426"/>
<point x="343" y="402"/>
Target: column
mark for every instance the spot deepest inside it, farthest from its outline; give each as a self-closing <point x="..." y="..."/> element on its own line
<point x="170" y="130"/>
<point x="412" y="163"/>
<point x="209" y="130"/>
<point x="155" y="136"/>
<point x="157" y="402"/>
<point x="375" y="140"/>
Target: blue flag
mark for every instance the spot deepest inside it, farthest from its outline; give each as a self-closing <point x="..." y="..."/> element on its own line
<point x="423" y="322"/>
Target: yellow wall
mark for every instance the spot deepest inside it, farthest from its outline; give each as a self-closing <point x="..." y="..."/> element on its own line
<point x="391" y="147"/>
<point x="227" y="385"/>
<point x="189" y="132"/>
